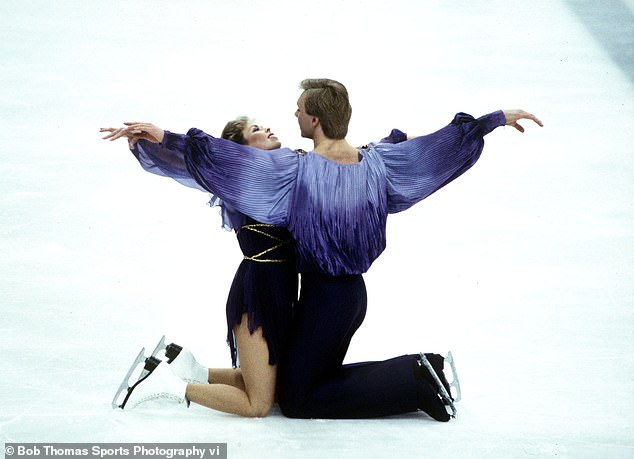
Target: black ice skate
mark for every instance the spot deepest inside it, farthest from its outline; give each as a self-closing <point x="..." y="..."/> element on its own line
<point x="444" y="389"/>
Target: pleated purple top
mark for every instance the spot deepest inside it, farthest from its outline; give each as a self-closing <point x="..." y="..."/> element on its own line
<point x="336" y="213"/>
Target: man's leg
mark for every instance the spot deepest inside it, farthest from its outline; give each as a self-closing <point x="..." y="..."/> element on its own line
<point x="313" y="383"/>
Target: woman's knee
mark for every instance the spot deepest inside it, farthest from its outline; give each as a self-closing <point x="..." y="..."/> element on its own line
<point x="260" y="408"/>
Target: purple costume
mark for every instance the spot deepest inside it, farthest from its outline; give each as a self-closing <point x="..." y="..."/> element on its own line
<point x="337" y="215"/>
<point x="265" y="284"/>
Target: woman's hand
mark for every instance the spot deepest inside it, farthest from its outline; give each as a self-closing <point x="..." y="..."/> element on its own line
<point x="513" y="116"/>
<point x="134" y="131"/>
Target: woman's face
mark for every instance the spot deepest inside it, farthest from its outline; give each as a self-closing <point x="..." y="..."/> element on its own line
<point x="260" y="137"/>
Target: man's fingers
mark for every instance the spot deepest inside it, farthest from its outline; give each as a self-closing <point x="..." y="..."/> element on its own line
<point x="530" y="116"/>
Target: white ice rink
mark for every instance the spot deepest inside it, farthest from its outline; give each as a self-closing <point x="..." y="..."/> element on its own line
<point x="523" y="267"/>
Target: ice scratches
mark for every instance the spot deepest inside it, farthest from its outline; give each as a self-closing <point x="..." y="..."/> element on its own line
<point x="6" y="421"/>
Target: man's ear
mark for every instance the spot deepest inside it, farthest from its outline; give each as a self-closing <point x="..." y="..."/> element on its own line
<point x="314" y="122"/>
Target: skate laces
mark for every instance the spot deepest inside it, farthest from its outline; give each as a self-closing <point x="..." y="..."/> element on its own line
<point x="156" y="396"/>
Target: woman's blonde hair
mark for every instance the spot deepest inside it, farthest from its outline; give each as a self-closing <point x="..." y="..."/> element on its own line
<point x="234" y="130"/>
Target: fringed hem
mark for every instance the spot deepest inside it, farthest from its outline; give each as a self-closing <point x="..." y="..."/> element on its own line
<point x="266" y="293"/>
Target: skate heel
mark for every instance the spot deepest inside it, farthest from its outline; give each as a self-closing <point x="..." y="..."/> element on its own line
<point x="172" y="351"/>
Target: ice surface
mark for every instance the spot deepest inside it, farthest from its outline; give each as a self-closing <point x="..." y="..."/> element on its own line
<point x="523" y="267"/>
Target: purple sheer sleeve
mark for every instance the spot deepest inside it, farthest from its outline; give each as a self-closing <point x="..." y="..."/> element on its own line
<point x="419" y="167"/>
<point x="257" y="183"/>
<point x="395" y="136"/>
<point x="157" y="159"/>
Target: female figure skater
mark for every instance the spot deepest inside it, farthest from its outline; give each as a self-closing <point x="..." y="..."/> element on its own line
<point x="259" y="304"/>
<point x="334" y="201"/>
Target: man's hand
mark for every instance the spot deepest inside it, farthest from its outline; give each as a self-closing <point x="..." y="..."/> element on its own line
<point x="513" y="116"/>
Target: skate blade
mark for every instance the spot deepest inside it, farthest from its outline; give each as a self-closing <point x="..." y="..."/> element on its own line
<point x="441" y="388"/>
<point x="125" y="384"/>
<point x="455" y="383"/>
<point x="159" y="346"/>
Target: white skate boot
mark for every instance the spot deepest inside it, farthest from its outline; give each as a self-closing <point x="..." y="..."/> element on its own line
<point x="182" y="363"/>
<point x="160" y="383"/>
<point x="185" y="367"/>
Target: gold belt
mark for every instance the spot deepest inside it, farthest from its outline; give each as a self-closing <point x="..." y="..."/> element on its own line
<point x="255" y="227"/>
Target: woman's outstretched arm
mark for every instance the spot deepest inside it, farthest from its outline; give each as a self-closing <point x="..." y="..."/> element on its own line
<point x="254" y="182"/>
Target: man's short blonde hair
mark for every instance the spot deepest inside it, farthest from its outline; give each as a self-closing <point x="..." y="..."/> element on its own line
<point x="328" y="100"/>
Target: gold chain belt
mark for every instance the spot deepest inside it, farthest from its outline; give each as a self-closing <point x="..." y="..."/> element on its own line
<point x="255" y="227"/>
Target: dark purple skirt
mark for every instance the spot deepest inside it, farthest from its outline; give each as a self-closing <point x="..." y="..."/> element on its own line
<point x="264" y="287"/>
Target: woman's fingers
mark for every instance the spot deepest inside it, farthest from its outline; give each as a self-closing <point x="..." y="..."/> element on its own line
<point x="116" y="133"/>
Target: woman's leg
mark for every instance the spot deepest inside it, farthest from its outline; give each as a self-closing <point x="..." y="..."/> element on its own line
<point x="259" y="379"/>
<point x="230" y="376"/>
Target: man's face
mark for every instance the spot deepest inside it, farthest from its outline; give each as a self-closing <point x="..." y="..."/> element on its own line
<point x="304" y="120"/>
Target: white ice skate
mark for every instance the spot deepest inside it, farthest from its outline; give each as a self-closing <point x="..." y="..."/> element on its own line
<point x="185" y="367"/>
<point x="159" y="383"/>
<point x="182" y="363"/>
<point x="446" y="397"/>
